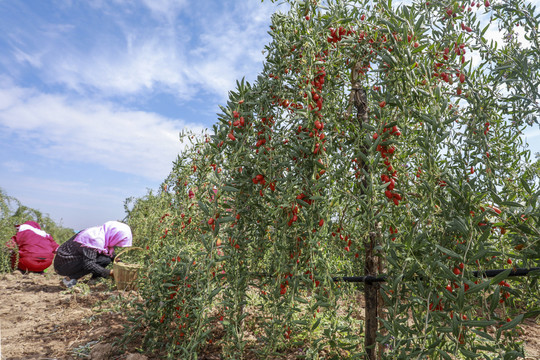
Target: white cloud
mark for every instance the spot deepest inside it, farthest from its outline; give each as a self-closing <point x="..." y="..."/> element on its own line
<point x="64" y="190"/>
<point x="142" y="66"/>
<point x="162" y="9"/>
<point x="21" y="56"/>
<point x="168" y="9"/>
<point x="75" y="130"/>
<point x="234" y="51"/>
<point x="13" y="166"/>
<point x="185" y="48"/>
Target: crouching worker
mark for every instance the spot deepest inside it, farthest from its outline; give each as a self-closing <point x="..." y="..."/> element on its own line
<point x="36" y="248"/>
<point x="90" y="251"/>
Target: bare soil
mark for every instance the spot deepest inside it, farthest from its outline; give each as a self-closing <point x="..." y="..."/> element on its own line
<point x="39" y="319"/>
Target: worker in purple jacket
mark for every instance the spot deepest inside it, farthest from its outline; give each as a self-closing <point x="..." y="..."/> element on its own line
<point x="90" y="251"/>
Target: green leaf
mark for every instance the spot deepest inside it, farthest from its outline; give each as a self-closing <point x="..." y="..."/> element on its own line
<point x="203" y="207"/>
<point x="480" y="254"/>
<point x="511" y="355"/>
<point x="460" y="297"/>
<point x="215" y="292"/>
<point x="225" y="219"/>
<point x="478" y="287"/>
<point x="419" y="23"/>
<point x="459" y="225"/>
<point x="323" y="304"/>
<point x="483" y="334"/>
<point x="500" y="277"/>
<point x="512" y="204"/>
<point x="389" y="24"/>
<point x="512" y="324"/>
<point x="446" y="270"/>
<point x="363" y="156"/>
<point x="485" y="29"/>
<point x="494" y="301"/>
<point x="485" y="235"/>
<point x="216" y="229"/>
<point x="444" y="354"/>
<point x="525" y="185"/>
<point x="319" y="165"/>
<point x="445" y="329"/>
<point x="448" y="252"/>
<point x="479" y="323"/>
<point x="230" y="188"/>
<point x="369" y="127"/>
<point x="531" y="314"/>
<point x="469" y="354"/>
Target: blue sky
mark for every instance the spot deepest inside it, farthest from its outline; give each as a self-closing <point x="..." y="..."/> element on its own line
<point x="93" y="94"/>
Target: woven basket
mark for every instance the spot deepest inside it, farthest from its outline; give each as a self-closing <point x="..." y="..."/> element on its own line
<point x="125" y="274"/>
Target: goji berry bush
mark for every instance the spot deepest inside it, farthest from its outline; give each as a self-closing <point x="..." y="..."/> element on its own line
<point x="401" y="123"/>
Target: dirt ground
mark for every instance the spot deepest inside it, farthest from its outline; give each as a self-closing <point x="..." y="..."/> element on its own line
<point x="41" y="320"/>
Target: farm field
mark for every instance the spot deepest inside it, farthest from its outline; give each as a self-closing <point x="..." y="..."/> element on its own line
<point x="41" y="320"/>
<point x="370" y="195"/>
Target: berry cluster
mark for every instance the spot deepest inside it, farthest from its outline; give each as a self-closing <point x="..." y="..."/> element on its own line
<point x="336" y="35"/>
<point x="387" y="152"/>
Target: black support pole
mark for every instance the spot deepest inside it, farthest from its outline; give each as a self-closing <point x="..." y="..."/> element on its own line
<point x="487" y="273"/>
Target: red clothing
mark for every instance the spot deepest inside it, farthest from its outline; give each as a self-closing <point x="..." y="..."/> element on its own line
<point x="36" y="247"/>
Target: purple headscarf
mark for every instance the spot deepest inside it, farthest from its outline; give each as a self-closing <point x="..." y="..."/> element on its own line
<point x="105" y="238"/>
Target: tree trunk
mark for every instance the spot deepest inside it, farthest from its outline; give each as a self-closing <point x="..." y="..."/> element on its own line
<point x="380" y="303"/>
<point x="371" y="294"/>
